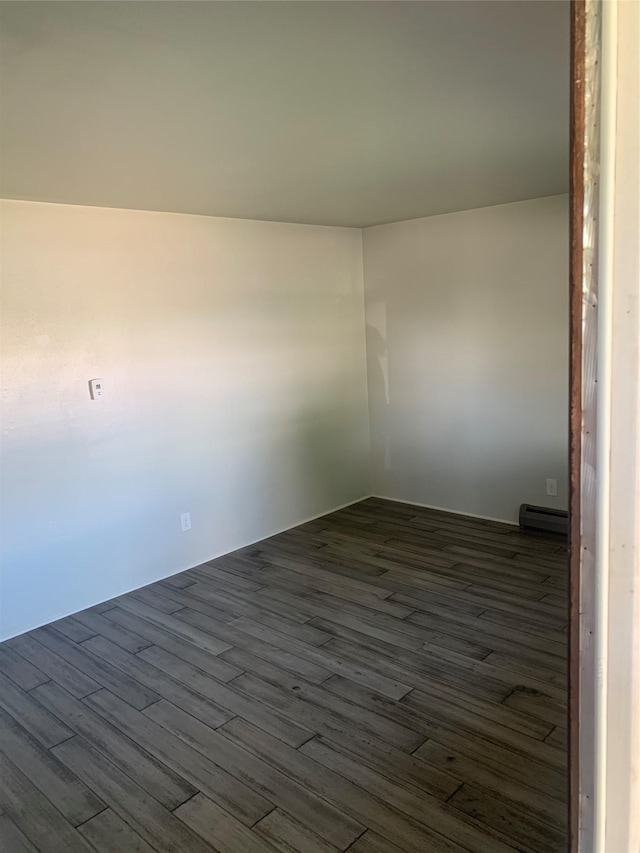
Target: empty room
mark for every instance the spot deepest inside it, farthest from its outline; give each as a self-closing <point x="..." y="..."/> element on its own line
<point x="285" y="377"/>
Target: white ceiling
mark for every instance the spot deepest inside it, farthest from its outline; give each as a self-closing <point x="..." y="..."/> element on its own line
<point x="337" y="113"/>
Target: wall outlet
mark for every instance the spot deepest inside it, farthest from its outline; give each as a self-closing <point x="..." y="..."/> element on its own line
<point x="185" y="521"/>
<point x="552" y="488"/>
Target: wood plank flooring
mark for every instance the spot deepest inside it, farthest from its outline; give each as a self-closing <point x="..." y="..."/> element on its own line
<point x="385" y="679"/>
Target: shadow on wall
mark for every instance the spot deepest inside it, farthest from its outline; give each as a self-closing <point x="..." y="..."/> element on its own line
<point x="322" y="464"/>
<point x="467" y="335"/>
<point x="378" y="378"/>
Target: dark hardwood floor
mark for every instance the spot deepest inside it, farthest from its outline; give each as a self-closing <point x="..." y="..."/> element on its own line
<point x="387" y="678"/>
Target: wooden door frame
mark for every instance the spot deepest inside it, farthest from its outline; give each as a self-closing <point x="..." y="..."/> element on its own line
<point x="587" y="624"/>
<point x="575" y="403"/>
<point x="604" y="694"/>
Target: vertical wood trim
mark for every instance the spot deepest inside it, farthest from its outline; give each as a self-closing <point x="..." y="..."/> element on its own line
<point x="575" y="401"/>
<point x="620" y="217"/>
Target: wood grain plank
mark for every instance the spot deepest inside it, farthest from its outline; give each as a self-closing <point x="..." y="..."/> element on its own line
<point x="552" y="807"/>
<point x="521" y="825"/>
<point x="495" y="636"/>
<point x="177" y="644"/>
<point x="65" y="791"/>
<point x="34" y="815"/>
<point x="164" y="684"/>
<point x="97" y="668"/>
<point x="108" y="833"/>
<point x="229" y="698"/>
<point x="337" y="627"/>
<point x="510" y="764"/>
<point x="529" y="668"/>
<point x="44" y="726"/>
<point x="371" y="842"/>
<point x="331" y="663"/>
<point x="359" y="591"/>
<point x="315" y="717"/>
<point x="396" y="765"/>
<point x="422" y="808"/>
<point x="12" y="840"/>
<point x="182" y="580"/>
<point x="465" y="719"/>
<point x="56" y="667"/>
<point x="105" y="626"/>
<point x="558" y="738"/>
<point x="154" y="599"/>
<point x="213" y="823"/>
<point x="280" y="650"/>
<point x="371" y="811"/>
<point x="421" y="670"/>
<point x="72" y="629"/>
<point x="208" y="572"/>
<point x="354" y="715"/>
<point x="157" y="779"/>
<point x="317" y="815"/>
<point x="295" y="595"/>
<point x="19" y="670"/>
<point x="171" y="625"/>
<point x="237" y="798"/>
<point x="289" y="836"/>
<point x="305" y="633"/>
<point x="235" y="602"/>
<point x="158" y="826"/>
<point x="187" y="652"/>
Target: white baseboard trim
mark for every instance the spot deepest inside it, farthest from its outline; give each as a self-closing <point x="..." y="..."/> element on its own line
<point x="255" y="542"/>
<point x="186" y="568"/>
<point x="445" y="509"/>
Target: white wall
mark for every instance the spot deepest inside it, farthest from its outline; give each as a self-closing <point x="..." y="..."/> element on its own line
<point x="233" y="358"/>
<point x="232" y="354"/>
<point x="619" y="724"/>
<point x="467" y="338"/>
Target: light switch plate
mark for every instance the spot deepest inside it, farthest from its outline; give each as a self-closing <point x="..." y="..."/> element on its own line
<point x="96" y="389"/>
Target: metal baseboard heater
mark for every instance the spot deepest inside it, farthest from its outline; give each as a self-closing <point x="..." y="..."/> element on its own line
<point x="543" y="518"/>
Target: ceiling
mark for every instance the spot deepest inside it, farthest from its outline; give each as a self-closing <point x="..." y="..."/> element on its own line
<point x="335" y="113"/>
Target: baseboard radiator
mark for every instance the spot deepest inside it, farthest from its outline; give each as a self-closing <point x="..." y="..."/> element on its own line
<point x="545" y="519"/>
